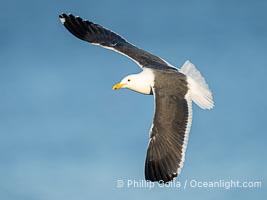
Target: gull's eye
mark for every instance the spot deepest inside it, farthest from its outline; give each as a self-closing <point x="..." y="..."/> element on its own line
<point x="129" y="80"/>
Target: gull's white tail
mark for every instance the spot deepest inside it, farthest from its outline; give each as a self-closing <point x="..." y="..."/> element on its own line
<point x="200" y="91"/>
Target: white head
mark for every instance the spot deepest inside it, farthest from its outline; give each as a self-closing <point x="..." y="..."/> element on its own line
<point x="142" y="82"/>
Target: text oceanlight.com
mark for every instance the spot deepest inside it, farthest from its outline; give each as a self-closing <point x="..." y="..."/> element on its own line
<point x="224" y="184"/>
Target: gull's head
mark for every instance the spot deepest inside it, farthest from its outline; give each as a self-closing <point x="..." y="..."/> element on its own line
<point x="127" y="82"/>
<point x="141" y="82"/>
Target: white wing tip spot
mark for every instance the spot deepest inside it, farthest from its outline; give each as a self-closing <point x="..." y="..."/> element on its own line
<point x="62" y="20"/>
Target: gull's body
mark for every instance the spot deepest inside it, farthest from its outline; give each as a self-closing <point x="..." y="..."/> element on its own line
<point x="173" y="90"/>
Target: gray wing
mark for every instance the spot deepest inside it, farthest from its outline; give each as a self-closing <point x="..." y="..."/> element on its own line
<point x="98" y="35"/>
<point x="170" y="129"/>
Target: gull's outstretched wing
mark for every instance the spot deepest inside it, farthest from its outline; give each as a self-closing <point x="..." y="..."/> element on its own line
<point x="170" y="129"/>
<point x="98" y="35"/>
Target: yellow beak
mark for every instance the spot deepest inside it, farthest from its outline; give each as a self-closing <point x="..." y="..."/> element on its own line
<point x="117" y="86"/>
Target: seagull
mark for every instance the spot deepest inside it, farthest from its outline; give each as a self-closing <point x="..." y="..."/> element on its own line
<point x="173" y="89"/>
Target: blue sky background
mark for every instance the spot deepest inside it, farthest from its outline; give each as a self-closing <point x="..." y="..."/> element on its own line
<point x="66" y="135"/>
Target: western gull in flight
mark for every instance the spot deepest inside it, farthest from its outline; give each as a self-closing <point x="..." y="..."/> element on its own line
<point x="173" y="90"/>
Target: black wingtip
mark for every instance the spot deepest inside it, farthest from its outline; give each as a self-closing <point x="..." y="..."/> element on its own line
<point x="154" y="173"/>
<point x="62" y="17"/>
